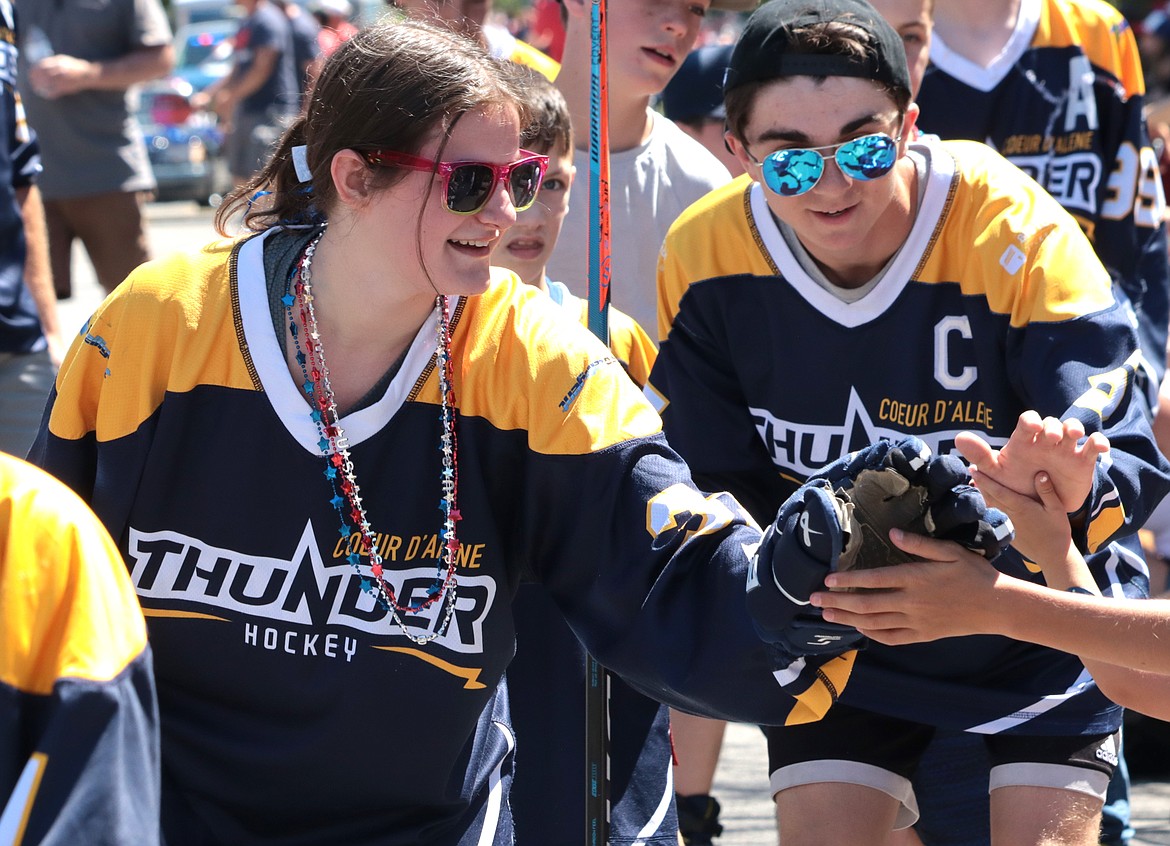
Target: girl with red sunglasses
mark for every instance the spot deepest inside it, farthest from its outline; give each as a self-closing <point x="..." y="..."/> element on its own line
<point x="331" y="449"/>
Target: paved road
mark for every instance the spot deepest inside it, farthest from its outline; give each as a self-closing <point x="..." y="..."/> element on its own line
<point x="741" y="783"/>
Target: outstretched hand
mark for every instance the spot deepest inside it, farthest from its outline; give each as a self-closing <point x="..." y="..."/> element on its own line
<point x="1040" y="444"/>
<point x="944" y="595"/>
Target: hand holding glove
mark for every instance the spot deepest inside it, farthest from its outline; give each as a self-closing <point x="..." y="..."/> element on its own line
<point x="840" y="520"/>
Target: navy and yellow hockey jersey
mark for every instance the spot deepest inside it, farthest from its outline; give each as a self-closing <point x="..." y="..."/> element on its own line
<point x="292" y="709"/>
<point x="995" y="304"/>
<point x="1063" y="102"/>
<point x="78" y="718"/>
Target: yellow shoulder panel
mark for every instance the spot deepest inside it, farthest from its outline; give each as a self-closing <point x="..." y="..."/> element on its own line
<point x="714" y="237"/>
<point x="522" y="363"/>
<point x="172" y="325"/>
<point x="525" y="54"/>
<point x="1006" y="239"/>
<point x="1101" y="31"/>
<point x="628" y="341"/>
<point x="67" y="607"/>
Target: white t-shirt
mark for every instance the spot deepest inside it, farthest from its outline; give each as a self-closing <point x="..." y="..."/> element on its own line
<point x="649" y="186"/>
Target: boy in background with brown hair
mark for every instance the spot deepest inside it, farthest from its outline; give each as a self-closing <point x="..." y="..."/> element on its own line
<point x="527" y="246"/>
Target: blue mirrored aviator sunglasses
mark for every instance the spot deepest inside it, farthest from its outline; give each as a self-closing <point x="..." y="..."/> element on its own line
<point x="796" y="171"/>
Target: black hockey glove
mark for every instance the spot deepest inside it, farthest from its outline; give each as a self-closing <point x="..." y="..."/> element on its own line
<point x="840" y="520"/>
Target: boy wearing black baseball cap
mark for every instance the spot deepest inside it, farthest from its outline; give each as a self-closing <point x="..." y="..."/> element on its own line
<point x="857" y="285"/>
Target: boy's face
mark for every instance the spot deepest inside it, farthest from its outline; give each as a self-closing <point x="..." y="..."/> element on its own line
<point x="648" y="40"/>
<point x="526" y="247"/>
<point x="848" y="225"/>
<point x="913" y="21"/>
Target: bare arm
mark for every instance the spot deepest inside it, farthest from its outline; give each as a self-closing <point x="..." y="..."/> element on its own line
<point x="38" y="276"/>
<point x="60" y="75"/>
<point x="224" y="96"/>
<point x="1124" y="643"/>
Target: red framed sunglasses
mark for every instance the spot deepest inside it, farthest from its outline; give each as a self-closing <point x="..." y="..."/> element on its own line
<point x="467" y="186"/>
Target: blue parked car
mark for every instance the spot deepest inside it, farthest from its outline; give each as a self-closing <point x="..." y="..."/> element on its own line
<point x="203" y="51"/>
<point x="185" y="146"/>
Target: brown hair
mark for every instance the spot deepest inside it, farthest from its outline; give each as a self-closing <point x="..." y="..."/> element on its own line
<point x="549" y="128"/>
<point x="836" y="38"/>
<point x="391" y="86"/>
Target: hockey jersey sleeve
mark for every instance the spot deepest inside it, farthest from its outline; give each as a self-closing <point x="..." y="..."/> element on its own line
<point x="649" y="570"/>
<point x="1107" y="397"/>
<point x="154" y="334"/>
<point x="80" y="762"/>
<point x="632" y="346"/>
<point x="629" y="343"/>
<point x="709" y="421"/>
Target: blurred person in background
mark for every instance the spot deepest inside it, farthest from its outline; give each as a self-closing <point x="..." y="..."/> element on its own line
<point x="470" y="17"/>
<point x="31" y="345"/>
<point x="547" y="33"/>
<point x="306" y="33"/>
<point x="694" y="100"/>
<point x="336" y="27"/>
<point x="260" y="95"/>
<point x="79" y="59"/>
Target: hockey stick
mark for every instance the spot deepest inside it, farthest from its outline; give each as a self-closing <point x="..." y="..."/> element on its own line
<point x="596" y="678"/>
<point x="599" y="176"/>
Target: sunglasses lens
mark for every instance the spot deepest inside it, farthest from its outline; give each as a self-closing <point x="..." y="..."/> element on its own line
<point x="793" y="172"/>
<point x="469" y="187"/>
<point x="868" y="157"/>
<point x="524" y="184"/>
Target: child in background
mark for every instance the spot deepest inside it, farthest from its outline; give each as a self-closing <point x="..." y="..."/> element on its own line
<point x="526" y="248"/>
<point x="549" y="786"/>
<point x="657" y="170"/>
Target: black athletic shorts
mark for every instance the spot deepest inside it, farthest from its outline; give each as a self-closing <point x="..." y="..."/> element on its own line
<point x="861" y="747"/>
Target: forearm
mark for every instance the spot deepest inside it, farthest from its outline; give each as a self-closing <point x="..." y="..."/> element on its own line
<point x="1106" y="634"/>
<point x="138" y="66"/>
<point x="38" y="275"/>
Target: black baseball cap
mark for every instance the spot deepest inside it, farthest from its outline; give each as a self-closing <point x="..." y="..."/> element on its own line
<point x="763" y="51"/>
<point x="696" y="91"/>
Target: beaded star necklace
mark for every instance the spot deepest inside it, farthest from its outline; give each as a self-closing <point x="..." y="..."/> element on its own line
<point x="347" y="499"/>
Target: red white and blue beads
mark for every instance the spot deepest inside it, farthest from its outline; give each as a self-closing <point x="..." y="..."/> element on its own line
<point x="339" y="469"/>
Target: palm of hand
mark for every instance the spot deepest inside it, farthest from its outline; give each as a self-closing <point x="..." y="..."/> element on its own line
<point x="1037" y="445"/>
